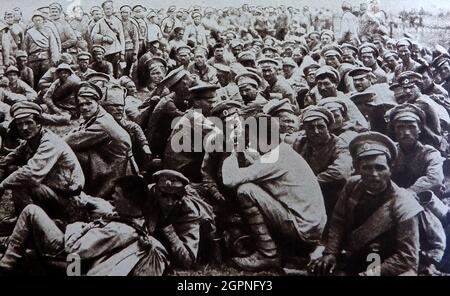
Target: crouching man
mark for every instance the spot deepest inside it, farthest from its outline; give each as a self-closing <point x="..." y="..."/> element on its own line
<point x="116" y="244"/>
<point x="279" y="196"/>
<point x="373" y="217"/>
<point x="43" y="169"/>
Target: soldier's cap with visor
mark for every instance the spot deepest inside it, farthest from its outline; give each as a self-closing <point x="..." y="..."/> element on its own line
<point x="21" y="54"/>
<point x="312" y="113"/>
<point x="95" y="9"/>
<point x="64" y="67"/>
<point x="409" y="78"/>
<point x="235" y="43"/>
<point x="404" y="42"/>
<point x="310" y="34"/>
<point x="221" y="68"/>
<point x="441" y="60"/>
<point x="98" y="48"/>
<point x="84" y="56"/>
<point x="89" y="90"/>
<point x="267" y="63"/>
<point x="156" y="62"/>
<point x="360" y="73"/>
<point x="12" y="69"/>
<point x="327" y="71"/>
<point x="37" y="13"/>
<point x="349" y="46"/>
<point x="332" y="50"/>
<point x="369" y="48"/>
<point x="114" y="95"/>
<point x="24" y="109"/>
<point x="289" y="62"/>
<point x="201" y="50"/>
<point x="174" y="76"/>
<point x="246" y="56"/>
<point x="170" y="178"/>
<point x="275" y="106"/>
<point x="270" y="49"/>
<point x="389" y="54"/>
<point x="225" y="108"/>
<point x="247" y="78"/>
<point x="184" y="48"/>
<point x="406" y="112"/>
<point x="125" y="8"/>
<point x="203" y="91"/>
<point x="363" y="98"/>
<point x="372" y="144"/>
<point x="312" y="66"/>
<point x="98" y="76"/>
<point x="328" y="33"/>
<point x="333" y="104"/>
<point x="346" y="5"/>
<point x="139" y="6"/>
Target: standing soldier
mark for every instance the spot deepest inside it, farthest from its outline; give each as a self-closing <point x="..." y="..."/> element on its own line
<point x="108" y="32"/>
<point x="42" y="47"/>
<point x="131" y="34"/>
<point x="138" y="14"/>
<point x="349" y="25"/>
<point x="66" y="33"/>
<point x="195" y="34"/>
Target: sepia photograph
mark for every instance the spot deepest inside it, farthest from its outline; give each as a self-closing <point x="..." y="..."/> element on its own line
<point x="253" y="139"/>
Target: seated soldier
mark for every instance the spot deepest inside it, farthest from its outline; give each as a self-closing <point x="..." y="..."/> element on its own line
<point x="50" y="76"/>
<point x="59" y="98"/>
<point x="289" y="123"/>
<point x="43" y="169"/>
<point x="100" y="64"/>
<point x="326" y="153"/>
<point x="18" y="86"/>
<point x="83" y="65"/>
<point x="184" y="151"/>
<point x="418" y="167"/>
<point x="249" y="88"/>
<point x="179" y="218"/>
<point x="114" y="104"/>
<point x="373" y="215"/>
<point x="342" y="127"/>
<point x="100" y="143"/>
<point x="114" y="244"/>
<point x="278" y="195"/>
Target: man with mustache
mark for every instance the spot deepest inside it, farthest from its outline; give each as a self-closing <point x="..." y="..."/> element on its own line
<point x="373" y="215"/>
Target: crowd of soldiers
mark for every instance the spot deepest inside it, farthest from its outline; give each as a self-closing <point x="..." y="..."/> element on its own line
<point x="92" y="106"/>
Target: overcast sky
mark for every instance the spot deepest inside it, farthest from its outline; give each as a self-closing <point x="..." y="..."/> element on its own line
<point x="396" y="5"/>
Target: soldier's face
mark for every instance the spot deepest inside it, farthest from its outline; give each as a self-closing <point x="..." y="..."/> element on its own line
<point x="108" y="9"/>
<point x="361" y="83"/>
<point x="404" y="53"/>
<point x="375" y="173"/>
<point x="269" y="73"/>
<point x="115" y="110"/>
<point x="183" y="58"/>
<point x="427" y="80"/>
<point x="317" y="131"/>
<point x="338" y="120"/>
<point x="125" y="15"/>
<point x="348" y="58"/>
<point x="288" y="71"/>
<point x="444" y="71"/>
<point x="237" y="50"/>
<point x="9" y="18"/>
<point x="98" y="56"/>
<point x="392" y="62"/>
<point x="38" y="22"/>
<point x="200" y="60"/>
<point x="156" y="75"/>
<point x="332" y="61"/>
<point x="218" y="53"/>
<point x="12" y="77"/>
<point x="204" y="105"/>
<point x="248" y="93"/>
<point x="96" y="15"/>
<point x="407" y="132"/>
<point x="54" y="13"/>
<point x="288" y="122"/>
<point x="326" y="39"/>
<point x="63" y="75"/>
<point x="197" y="20"/>
<point x="326" y="87"/>
<point x="27" y="127"/>
<point x="411" y="92"/>
<point x="87" y="107"/>
<point x="297" y="57"/>
<point x="84" y="64"/>
<point x="368" y="59"/>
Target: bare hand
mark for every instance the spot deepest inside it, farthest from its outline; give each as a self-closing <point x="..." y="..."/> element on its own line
<point x="324" y="265"/>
